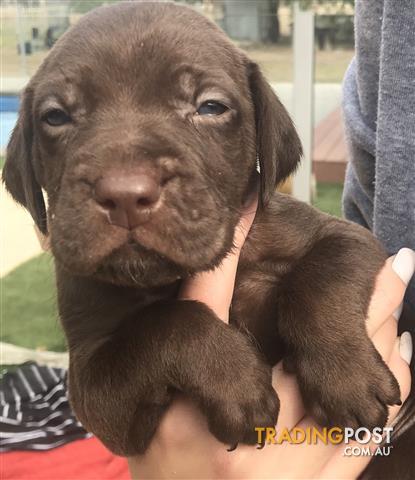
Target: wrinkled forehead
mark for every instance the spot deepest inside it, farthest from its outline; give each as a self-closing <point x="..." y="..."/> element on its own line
<point x="144" y="56"/>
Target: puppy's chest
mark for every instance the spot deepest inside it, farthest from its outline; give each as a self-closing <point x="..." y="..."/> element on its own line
<point x="255" y="309"/>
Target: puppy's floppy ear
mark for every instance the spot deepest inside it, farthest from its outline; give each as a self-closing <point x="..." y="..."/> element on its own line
<point x="18" y="172"/>
<point x="278" y="146"/>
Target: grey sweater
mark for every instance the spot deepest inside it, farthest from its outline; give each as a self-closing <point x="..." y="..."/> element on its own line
<point x="379" y="114"/>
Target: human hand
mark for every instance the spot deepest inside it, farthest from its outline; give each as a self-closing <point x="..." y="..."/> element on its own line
<point x="215" y="288"/>
<point x="183" y="446"/>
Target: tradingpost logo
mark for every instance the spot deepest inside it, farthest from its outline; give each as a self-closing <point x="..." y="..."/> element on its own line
<point x="356" y="441"/>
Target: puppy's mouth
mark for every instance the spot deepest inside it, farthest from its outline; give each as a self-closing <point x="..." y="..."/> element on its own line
<point x="155" y="253"/>
<point x="132" y="264"/>
<point x="147" y="259"/>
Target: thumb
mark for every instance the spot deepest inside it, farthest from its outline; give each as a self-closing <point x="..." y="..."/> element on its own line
<point x="215" y="287"/>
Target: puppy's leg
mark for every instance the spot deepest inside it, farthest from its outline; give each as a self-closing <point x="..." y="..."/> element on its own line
<point x="322" y="311"/>
<point x="122" y="389"/>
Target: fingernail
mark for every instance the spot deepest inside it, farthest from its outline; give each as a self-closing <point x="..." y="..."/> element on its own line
<point x="405" y="347"/>
<point x="404" y="264"/>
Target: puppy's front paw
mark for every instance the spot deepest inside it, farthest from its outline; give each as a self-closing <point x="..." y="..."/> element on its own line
<point x="351" y="388"/>
<point x="234" y="419"/>
<point x="241" y="400"/>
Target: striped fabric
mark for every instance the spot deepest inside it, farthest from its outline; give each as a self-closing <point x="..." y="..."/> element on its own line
<point x="35" y="413"/>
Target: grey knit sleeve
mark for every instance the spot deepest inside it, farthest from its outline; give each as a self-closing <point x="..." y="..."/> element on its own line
<point x="379" y="114"/>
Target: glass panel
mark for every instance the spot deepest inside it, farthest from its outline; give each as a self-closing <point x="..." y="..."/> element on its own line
<point x="262" y="28"/>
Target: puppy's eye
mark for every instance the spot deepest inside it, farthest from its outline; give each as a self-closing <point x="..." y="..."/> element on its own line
<point x="56" y="117"/>
<point x="210" y="107"/>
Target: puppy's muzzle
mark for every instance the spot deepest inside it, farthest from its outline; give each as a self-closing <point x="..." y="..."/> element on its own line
<point x="127" y="199"/>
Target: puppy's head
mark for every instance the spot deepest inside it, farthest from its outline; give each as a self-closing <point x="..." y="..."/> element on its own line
<point x="144" y="126"/>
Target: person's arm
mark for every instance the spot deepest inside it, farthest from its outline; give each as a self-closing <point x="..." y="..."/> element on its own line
<point x="183" y="446"/>
<point x="378" y="105"/>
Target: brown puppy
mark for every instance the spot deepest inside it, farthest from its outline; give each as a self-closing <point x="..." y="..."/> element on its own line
<point x="144" y="126"/>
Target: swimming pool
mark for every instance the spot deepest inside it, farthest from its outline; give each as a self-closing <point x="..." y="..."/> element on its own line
<point x="9" y="106"/>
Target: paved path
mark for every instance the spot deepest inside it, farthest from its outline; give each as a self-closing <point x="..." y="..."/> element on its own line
<point x="18" y="241"/>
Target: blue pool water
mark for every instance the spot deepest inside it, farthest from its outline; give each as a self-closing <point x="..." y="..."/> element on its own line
<point x="9" y="105"/>
<point x="7" y="122"/>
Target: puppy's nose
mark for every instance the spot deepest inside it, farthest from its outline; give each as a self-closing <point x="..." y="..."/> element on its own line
<point x="127" y="199"/>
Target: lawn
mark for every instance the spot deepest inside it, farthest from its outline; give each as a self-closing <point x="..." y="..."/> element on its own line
<point x="28" y="296"/>
<point x="276" y="62"/>
<point x="28" y="306"/>
<point x="328" y="198"/>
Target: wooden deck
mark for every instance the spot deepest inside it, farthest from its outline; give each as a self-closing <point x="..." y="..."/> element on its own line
<point x="329" y="152"/>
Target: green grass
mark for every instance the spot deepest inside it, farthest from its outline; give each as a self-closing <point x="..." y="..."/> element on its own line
<point x="29" y="316"/>
<point x="28" y="306"/>
<point x="328" y="198"/>
<point x="2" y="160"/>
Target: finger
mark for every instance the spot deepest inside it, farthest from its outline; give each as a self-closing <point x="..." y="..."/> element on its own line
<point x="215" y="287"/>
<point x="342" y="466"/>
<point x="384" y="338"/>
<point x="390" y="288"/>
<point x="245" y="222"/>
